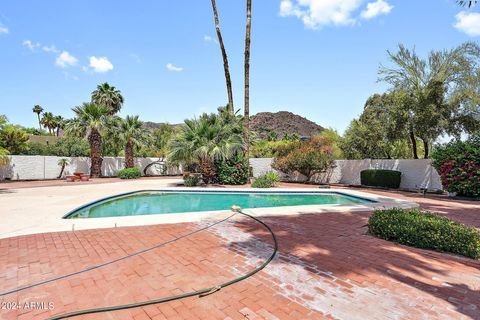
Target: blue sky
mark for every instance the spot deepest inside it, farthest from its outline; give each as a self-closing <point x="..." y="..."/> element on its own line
<point x="316" y="58"/>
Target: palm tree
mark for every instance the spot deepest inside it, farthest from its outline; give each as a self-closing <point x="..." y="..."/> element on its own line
<point x="108" y="96"/>
<point x="247" y="78"/>
<point x="62" y="163"/>
<point x="90" y="121"/>
<point x="132" y="133"/>
<point x="38" y="110"/>
<point x="48" y="121"/>
<point x="202" y="141"/>
<point x="224" y="56"/>
<point x="59" y="124"/>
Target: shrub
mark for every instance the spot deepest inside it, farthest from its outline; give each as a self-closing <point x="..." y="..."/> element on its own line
<point x="130" y="173"/>
<point x="233" y="171"/>
<point x="191" y="181"/>
<point x="381" y="178"/>
<point x="267" y="180"/>
<point x="458" y="164"/>
<point x="308" y="158"/>
<point x="425" y="230"/>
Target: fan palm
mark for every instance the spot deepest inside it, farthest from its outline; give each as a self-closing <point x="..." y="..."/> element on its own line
<point x="38" y="110"/>
<point x="48" y="121"/>
<point x="109" y="97"/>
<point x="202" y="141"/>
<point x="90" y="121"/>
<point x="133" y="134"/>
<point x="62" y="163"/>
<point x="60" y="124"/>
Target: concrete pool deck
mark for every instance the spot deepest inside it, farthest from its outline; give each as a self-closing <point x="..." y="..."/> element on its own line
<point x="40" y="210"/>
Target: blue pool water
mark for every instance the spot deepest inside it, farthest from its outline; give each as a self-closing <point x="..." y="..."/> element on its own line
<point x="162" y="202"/>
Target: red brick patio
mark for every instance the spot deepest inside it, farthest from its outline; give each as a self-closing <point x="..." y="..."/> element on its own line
<point x="327" y="267"/>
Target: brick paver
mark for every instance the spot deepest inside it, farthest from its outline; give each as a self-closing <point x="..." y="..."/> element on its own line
<point x="327" y="267"/>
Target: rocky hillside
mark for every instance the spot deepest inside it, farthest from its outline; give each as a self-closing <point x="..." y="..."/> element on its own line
<point x="283" y="122"/>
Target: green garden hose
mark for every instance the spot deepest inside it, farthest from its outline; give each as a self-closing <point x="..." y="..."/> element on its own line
<point x="200" y="293"/>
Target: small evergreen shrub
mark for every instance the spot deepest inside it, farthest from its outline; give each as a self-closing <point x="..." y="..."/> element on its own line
<point x="426" y="230"/>
<point x="267" y="180"/>
<point x="233" y="171"/>
<point x="129" y="173"/>
<point x="191" y="181"/>
<point x="381" y="178"/>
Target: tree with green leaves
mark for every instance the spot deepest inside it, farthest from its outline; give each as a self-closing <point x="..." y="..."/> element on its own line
<point x="109" y="97"/>
<point x="437" y="90"/>
<point x="133" y="135"/>
<point x="90" y="121"/>
<point x="202" y="141"/>
<point x="3" y="152"/>
<point x="38" y="110"/>
<point x="13" y="139"/>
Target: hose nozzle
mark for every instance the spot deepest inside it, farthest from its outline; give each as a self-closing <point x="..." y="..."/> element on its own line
<point x="236" y="208"/>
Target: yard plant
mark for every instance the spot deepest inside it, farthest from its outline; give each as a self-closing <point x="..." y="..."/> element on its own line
<point x="458" y="164"/>
<point x="130" y="173"/>
<point x="381" y="178"/>
<point x="423" y="229"/>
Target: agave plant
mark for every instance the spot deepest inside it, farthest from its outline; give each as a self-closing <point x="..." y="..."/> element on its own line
<point x="90" y="121"/>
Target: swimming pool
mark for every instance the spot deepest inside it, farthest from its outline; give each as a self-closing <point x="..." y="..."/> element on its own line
<point x="164" y="202"/>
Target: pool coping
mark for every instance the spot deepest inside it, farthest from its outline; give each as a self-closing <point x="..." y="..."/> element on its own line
<point x="53" y="222"/>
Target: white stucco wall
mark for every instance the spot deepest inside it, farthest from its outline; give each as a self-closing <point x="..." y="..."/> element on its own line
<point x="416" y="174"/>
<point x="46" y="167"/>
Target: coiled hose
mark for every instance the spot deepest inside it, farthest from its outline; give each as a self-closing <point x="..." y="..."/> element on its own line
<point x="200" y="293"/>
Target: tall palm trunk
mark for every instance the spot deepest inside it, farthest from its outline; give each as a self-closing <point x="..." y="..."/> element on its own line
<point x="39" y="121"/>
<point x="95" y="140"/>
<point x="247" y="78"/>
<point x="224" y="56"/>
<point x="129" y="155"/>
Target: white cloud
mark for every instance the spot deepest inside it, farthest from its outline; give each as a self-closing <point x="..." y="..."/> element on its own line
<point x="318" y="13"/>
<point x="468" y="23"/>
<point x="65" y="59"/>
<point x="30" y="45"/>
<point x="3" y="29"/>
<point x="376" y="8"/>
<point x="207" y="38"/>
<point x="100" y="64"/>
<point x="50" y="49"/>
<point x="172" y="67"/>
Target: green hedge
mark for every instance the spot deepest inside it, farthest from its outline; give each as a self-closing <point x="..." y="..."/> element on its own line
<point x="381" y="178"/>
<point x="191" y="181"/>
<point x="129" y="173"/>
<point x="423" y="229"/>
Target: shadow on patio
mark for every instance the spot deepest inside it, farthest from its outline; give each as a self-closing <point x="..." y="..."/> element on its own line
<point x="338" y="243"/>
